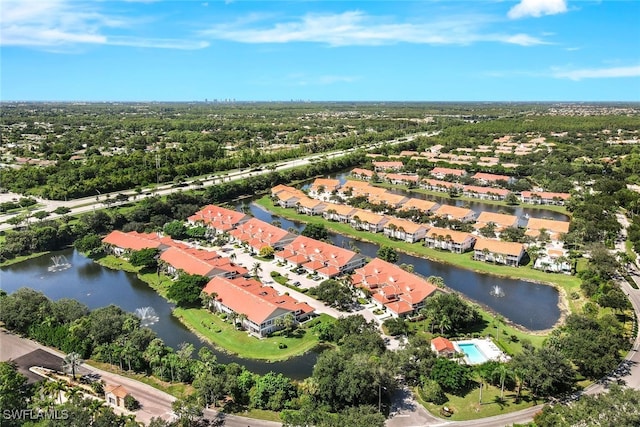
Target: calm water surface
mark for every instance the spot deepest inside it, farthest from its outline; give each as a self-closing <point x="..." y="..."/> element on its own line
<point x="476" y="206"/>
<point x="528" y="304"/>
<point x="97" y="286"/>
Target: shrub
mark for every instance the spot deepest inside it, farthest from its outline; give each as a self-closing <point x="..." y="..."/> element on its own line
<point x="432" y="392"/>
<point x="131" y="403"/>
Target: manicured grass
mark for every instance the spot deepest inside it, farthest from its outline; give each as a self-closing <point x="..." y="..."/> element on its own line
<point x="628" y="245"/>
<point x="212" y="328"/>
<point x="468" y="407"/>
<point x="115" y="263"/>
<point x="206" y="324"/>
<point x="21" y="258"/>
<point x="261" y="414"/>
<point x="178" y="390"/>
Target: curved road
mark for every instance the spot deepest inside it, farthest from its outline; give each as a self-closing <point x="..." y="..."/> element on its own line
<point x="155" y="403"/>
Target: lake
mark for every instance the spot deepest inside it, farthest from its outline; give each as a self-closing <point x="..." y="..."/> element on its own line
<point x="98" y="286"/>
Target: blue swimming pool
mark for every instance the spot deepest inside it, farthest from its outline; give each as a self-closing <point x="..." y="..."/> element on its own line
<point x="474" y="355"/>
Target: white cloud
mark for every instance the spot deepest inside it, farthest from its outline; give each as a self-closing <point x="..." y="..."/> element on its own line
<point x="59" y="25"/>
<point x="537" y="8"/>
<point x="598" y="73"/>
<point x="355" y="28"/>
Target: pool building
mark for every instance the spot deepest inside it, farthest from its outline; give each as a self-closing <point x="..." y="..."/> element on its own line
<point x="476" y="351"/>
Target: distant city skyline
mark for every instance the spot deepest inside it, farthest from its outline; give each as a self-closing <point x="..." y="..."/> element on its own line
<point x="451" y="51"/>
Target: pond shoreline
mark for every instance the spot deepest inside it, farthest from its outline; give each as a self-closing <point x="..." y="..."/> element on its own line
<point x="563" y="303"/>
<point x="125" y="266"/>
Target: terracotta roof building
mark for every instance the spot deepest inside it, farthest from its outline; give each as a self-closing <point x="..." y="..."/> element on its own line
<point x="484" y="193"/>
<point x="440" y="172"/>
<point x="383" y="166"/>
<point x="310" y="206"/>
<point x="449" y="240"/>
<point x="407" y="231"/>
<point x="201" y="262"/>
<point x="500" y="221"/>
<point x="217" y="218"/>
<point x="424" y="206"/>
<point x="443" y="347"/>
<point x="392" y="288"/>
<point x="261" y="306"/>
<point x="115" y="394"/>
<point x="339" y="213"/>
<point x="119" y="242"/>
<point x="489" y="178"/>
<point x="544" y="197"/>
<point x="259" y="234"/>
<point x="508" y="253"/>
<point x="362" y="173"/>
<point x="320" y="258"/>
<point x="455" y="213"/>
<point x="555" y="228"/>
<point x="324" y="184"/>
<point x="365" y="220"/>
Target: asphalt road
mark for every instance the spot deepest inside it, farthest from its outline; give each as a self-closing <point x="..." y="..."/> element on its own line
<point x="88" y="204"/>
<point x="155" y="403"/>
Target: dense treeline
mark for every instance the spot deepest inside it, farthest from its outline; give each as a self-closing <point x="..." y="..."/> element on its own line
<point x="153" y="213"/>
<point x="135" y="145"/>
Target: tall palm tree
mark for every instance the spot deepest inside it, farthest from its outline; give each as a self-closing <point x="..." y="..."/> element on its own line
<point x="71" y="362"/>
<point x="444" y="323"/>
<point x="503" y="372"/>
<point x="256" y="268"/>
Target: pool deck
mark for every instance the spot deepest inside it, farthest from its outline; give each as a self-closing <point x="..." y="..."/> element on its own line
<point x="486" y="347"/>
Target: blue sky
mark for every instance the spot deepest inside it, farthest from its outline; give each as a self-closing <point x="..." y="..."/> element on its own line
<point x="493" y="50"/>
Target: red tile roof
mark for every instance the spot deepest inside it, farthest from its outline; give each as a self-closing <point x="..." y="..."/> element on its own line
<point x="317" y="254"/>
<point x="249" y="297"/>
<point x="133" y="241"/>
<point x="447" y="171"/>
<point x="455" y="236"/>
<point x="489" y="177"/>
<point x="441" y="344"/>
<point x="217" y="217"/>
<point x="421" y="205"/>
<point x="499" y="247"/>
<point x="195" y="261"/>
<point x="546" y="195"/>
<point x="260" y="234"/>
<point x="389" y="283"/>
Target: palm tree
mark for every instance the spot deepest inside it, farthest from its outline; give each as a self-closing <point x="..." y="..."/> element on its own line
<point x="241" y="318"/>
<point x="276" y="223"/>
<point x="437" y="281"/>
<point x="503" y="372"/>
<point x="444" y="323"/>
<point x="255" y="269"/>
<point x="57" y="387"/>
<point x="71" y="362"/>
<point x="207" y="299"/>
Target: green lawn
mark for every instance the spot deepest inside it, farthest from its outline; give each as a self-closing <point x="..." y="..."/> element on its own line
<point x="214" y="329"/>
<point x="21" y="258"/>
<point x="468" y="407"/>
<point x="178" y="390"/>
